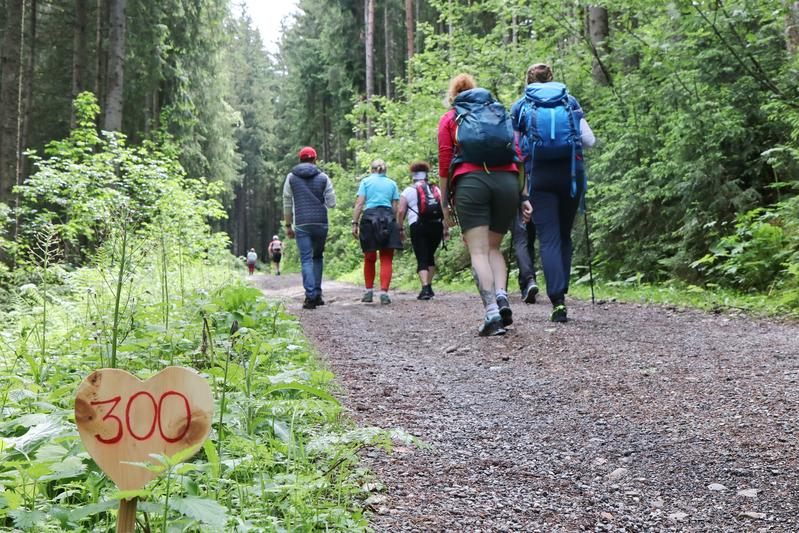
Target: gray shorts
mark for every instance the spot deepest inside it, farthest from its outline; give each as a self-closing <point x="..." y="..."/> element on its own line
<point x="487" y="199"/>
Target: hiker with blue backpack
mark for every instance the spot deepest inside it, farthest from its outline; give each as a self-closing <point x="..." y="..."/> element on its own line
<point x="478" y="165"/>
<point x="552" y="132"/>
<point x="420" y="205"/>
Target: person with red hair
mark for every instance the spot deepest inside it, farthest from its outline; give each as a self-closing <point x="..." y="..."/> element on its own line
<point x="486" y="199"/>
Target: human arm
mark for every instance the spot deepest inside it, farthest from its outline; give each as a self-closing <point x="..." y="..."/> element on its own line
<point x="586" y="134"/>
<point x="330" y="194"/>
<point x="445" y="145"/>
<point x="356" y="213"/>
<point x="445" y="207"/>
<point x="288" y="207"/>
<point x="403" y="209"/>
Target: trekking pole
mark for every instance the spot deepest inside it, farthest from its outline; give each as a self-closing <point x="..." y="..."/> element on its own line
<point x="590" y="258"/>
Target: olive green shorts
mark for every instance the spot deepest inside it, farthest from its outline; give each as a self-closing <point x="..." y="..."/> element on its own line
<point x="487" y="199"/>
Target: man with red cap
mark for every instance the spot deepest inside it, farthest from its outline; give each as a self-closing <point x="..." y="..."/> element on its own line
<point x="307" y="195"/>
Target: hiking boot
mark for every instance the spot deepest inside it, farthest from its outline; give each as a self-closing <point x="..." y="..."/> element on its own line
<point x="367" y="297"/>
<point x="319" y="301"/>
<point x="491" y="328"/>
<point x="529" y="293"/>
<point x="384" y="299"/>
<point x="424" y="294"/>
<point x="504" y="310"/>
<point x="309" y="303"/>
<point x="559" y="314"/>
<point x="430" y="291"/>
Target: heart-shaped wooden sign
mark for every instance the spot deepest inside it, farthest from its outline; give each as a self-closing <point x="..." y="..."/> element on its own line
<point x="122" y="419"/>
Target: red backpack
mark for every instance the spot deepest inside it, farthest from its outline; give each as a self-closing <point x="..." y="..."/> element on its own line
<point x="429" y="202"/>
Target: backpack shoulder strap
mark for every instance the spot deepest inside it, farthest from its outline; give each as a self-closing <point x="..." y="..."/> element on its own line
<point x="421" y="195"/>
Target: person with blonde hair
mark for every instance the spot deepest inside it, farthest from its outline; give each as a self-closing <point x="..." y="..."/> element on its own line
<point x="552" y="130"/>
<point x="485" y="191"/>
<point x="377" y="230"/>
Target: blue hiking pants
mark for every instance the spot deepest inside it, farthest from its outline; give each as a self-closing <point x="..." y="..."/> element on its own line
<point x="311" y="245"/>
<point x="554" y="209"/>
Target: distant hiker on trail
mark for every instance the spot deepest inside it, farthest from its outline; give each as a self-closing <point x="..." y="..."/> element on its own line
<point x="420" y="203"/>
<point x="478" y="172"/>
<point x="275" y="251"/>
<point x="552" y="132"/>
<point x="377" y="229"/>
<point x="307" y="195"/>
<point x="252" y="257"/>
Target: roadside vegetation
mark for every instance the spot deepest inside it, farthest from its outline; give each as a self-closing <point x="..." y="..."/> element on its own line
<point x="158" y="287"/>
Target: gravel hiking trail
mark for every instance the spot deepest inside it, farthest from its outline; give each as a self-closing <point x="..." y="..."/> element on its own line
<point x="627" y="418"/>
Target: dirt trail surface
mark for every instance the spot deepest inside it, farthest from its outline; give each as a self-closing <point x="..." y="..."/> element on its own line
<point x="628" y="418"/>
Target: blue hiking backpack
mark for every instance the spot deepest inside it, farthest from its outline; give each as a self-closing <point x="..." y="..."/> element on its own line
<point x="549" y="119"/>
<point x="484" y="132"/>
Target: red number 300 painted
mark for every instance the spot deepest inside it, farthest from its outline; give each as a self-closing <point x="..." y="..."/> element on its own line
<point x="157" y="409"/>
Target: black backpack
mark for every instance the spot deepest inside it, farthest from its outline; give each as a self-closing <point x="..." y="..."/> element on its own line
<point x="428" y="202"/>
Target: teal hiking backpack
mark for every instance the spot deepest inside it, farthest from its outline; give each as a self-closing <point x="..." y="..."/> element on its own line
<point x="484" y="131"/>
<point x="549" y="120"/>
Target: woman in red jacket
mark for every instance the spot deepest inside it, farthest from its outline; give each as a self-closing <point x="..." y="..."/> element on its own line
<point x="486" y="199"/>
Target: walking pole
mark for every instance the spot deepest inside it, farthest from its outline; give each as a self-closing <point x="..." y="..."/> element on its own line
<point x="590" y="258"/>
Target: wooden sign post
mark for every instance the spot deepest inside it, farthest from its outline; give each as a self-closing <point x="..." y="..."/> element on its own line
<point x="123" y="420"/>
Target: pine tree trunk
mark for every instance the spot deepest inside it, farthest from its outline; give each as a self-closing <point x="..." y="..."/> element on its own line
<point x="370" y="59"/>
<point x="409" y="31"/>
<point x="102" y="58"/>
<point x="387" y="47"/>
<point x="79" y="54"/>
<point x="598" y="33"/>
<point x="514" y="31"/>
<point x="792" y="27"/>
<point x="10" y="103"/>
<point x="28" y="91"/>
<point x="115" y="70"/>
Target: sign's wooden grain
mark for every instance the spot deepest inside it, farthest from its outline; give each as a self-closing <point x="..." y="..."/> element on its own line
<point x="122" y="419"/>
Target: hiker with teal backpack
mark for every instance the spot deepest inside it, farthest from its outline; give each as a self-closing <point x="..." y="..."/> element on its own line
<point x="477" y="158"/>
<point x="420" y="205"/>
<point x="552" y="132"/>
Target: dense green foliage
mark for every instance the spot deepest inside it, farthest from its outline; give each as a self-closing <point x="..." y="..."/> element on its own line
<point x="158" y="288"/>
<point x="285" y="461"/>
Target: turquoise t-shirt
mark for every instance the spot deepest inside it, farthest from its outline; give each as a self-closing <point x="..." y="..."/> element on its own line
<point x="379" y="190"/>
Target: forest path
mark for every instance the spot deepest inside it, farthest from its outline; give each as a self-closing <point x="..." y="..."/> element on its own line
<point x="628" y="417"/>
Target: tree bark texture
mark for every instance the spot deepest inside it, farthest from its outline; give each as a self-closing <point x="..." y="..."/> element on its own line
<point x="99" y="40"/>
<point x="598" y="33"/>
<point x="80" y="58"/>
<point x="409" y="28"/>
<point x="10" y="104"/>
<point x="27" y="94"/>
<point x="370" y="59"/>
<point x="116" y="63"/>
<point x="792" y="28"/>
<point x="387" y="47"/>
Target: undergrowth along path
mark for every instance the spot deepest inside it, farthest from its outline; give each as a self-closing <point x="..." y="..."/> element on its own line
<point x="629" y="416"/>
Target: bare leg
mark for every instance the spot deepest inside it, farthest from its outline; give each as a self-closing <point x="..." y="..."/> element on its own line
<point x="431" y="273"/>
<point x="497" y="261"/>
<point x="424" y="277"/>
<point x="478" y="242"/>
